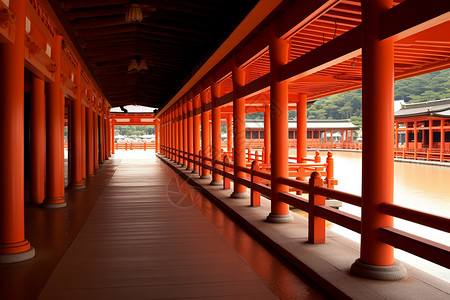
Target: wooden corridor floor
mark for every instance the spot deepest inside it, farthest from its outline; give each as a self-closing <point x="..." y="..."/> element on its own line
<point x="141" y="242"/>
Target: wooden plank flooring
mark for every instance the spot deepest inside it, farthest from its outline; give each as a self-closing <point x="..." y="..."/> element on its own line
<point x="140" y="243"/>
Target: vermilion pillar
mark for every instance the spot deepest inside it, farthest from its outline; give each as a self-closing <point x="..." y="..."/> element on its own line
<point x="37" y="140"/>
<point x="442" y="140"/>
<point x="55" y="134"/>
<point x="113" y="125"/>
<point x="196" y="131"/>
<point x="238" y="75"/>
<point x="301" y="127"/>
<point x="105" y="136"/>
<point x="76" y="180"/>
<point x="172" y="133"/>
<point x="377" y="258"/>
<point x="279" y="54"/>
<point x="175" y="134"/>
<point x="229" y="132"/>
<point x="96" y="140"/>
<point x="190" y="132"/>
<point x="90" y="142"/>
<point x="100" y="137"/>
<point x="206" y="142"/>
<point x="415" y="139"/>
<point x="13" y="245"/>
<point x="83" y="142"/>
<point x="180" y="132"/>
<point x="157" y="135"/>
<point x="216" y="132"/>
<point x="185" y="133"/>
<point x="267" y="134"/>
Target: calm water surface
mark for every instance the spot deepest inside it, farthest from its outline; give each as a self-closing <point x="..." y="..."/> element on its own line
<point x="421" y="187"/>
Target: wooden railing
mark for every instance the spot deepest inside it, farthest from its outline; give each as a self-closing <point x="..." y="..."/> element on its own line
<point x="422" y="154"/>
<point x="259" y="144"/>
<point x="134" y="146"/>
<point x="258" y="181"/>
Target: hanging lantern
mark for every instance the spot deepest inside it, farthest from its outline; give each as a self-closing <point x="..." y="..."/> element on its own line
<point x="134" y="14"/>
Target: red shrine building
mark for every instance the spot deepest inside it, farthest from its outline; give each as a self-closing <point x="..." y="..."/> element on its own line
<point x="118" y="227"/>
<point x="422" y="131"/>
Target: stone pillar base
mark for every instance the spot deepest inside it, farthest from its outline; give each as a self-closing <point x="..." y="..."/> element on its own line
<point x="236" y="195"/>
<point x="16" y="257"/>
<point x="389" y="273"/>
<point x="216" y="183"/>
<point x="53" y="205"/>
<point x="272" y="218"/>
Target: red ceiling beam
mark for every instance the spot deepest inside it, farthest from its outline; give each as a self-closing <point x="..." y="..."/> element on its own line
<point x="337" y="50"/>
<point x="413" y="16"/>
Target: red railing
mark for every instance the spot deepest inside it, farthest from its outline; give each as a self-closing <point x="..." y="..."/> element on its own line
<point x="258" y="183"/>
<point x="422" y="154"/>
<point x="292" y="143"/>
<point x="134" y="146"/>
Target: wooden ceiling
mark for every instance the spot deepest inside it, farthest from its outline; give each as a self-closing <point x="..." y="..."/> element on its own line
<point x="174" y="38"/>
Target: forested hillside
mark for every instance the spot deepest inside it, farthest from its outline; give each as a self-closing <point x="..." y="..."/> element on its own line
<point x="426" y="87"/>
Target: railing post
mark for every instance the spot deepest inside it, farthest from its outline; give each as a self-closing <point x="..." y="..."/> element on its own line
<point x="200" y="163"/>
<point x="126" y="146"/>
<point x="226" y="180"/>
<point x="145" y="146"/>
<point x="331" y="182"/>
<point x="131" y="146"/>
<point x="317" y="158"/>
<point x="316" y="225"/>
<point x="255" y="197"/>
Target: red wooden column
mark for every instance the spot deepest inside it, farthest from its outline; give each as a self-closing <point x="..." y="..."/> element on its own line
<point x="229" y="132"/>
<point x="172" y="133"/>
<point x="37" y="140"/>
<point x="406" y="136"/>
<point x="185" y="132"/>
<point x="238" y="75"/>
<point x="190" y="107"/>
<point x="396" y="135"/>
<point x="196" y="132"/>
<point x="113" y="125"/>
<point x="442" y="140"/>
<point x="182" y="131"/>
<point x="90" y="141"/>
<point x="267" y="134"/>
<point x="175" y="132"/>
<point x="106" y="134"/>
<point x="216" y="132"/>
<point x="157" y="135"/>
<point x="415" y="139"/>
<point x="301" y="128"/>
<point x="76" y="180"/>
<point x="169" y="133"/>
<point x="377" y="258"/>
<point x="179" y="132"/>
<point x="55" y="129"/>
<point x="83" y="142"/>
<point x="96" y="139"/>
<point x="279" y="54"/>
<point x="206" y="143"/>
<point x="100" y="137"/>
<point x="430" y="134"/>
<point x="13" y="245"/>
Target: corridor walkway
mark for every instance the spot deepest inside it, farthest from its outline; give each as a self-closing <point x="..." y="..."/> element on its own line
<point x="141" y="242"/>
